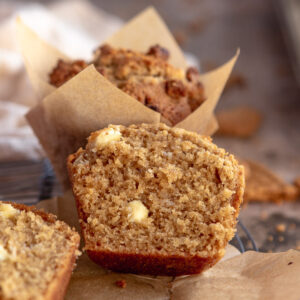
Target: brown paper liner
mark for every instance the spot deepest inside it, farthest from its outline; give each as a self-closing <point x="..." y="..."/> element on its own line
<point x="67" y="115"/>
<point x="39" y="58"/>
<point x="251" y="275"/>
<point x="146" y="30"/>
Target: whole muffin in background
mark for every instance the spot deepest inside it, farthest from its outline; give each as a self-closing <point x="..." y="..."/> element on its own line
<point x="147" y="77"/>
<point x="155" y="200"/>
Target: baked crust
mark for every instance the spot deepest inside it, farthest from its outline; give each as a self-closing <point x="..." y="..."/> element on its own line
<point x="172" y="265"/>
<point x="48" y="217"/>
<point x="58" y="287"/>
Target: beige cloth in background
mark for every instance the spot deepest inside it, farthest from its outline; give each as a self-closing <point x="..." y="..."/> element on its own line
<point x="72" y="27"/>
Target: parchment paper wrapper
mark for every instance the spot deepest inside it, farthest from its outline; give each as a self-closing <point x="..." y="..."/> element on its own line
<point x="67" y="115"/>
<point x="251" y="275"/>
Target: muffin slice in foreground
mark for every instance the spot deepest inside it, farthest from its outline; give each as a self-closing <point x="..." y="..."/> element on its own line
<point x="37" y="254"/>
<point x="155" y="200"/>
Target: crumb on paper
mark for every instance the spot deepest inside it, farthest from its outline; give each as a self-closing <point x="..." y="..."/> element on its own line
<point x="281" y="227"/>
<point x="290" y="263"/>
<point x="121" y="283"/>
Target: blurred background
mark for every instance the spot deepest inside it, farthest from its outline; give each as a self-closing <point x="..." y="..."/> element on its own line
<point x="259" y="111"/>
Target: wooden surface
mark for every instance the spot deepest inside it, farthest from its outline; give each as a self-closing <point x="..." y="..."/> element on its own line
<point x="20" y="181"/>
<point x="213" y="30"/>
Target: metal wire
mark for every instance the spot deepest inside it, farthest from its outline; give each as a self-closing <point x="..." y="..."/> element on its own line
<point x="249" y="236"/>
<point x="240" y="243"/>
<point x="47" y="181"/>
<point x="19" y="181"/>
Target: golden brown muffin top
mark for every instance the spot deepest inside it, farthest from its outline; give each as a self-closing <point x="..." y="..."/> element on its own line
<point x="147" y="77"/>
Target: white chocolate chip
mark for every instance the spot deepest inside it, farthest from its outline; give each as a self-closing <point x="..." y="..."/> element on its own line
<point x="137" y="211"/>
<point x="3" y="253"/>
<point x="168" y="154"/>
<point x="106" y="136"/>
<point x="7" y="211"/>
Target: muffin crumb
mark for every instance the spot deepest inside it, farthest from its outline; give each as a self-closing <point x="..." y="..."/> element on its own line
<point x="156" y="196"/>
<point x="121" y="283"/>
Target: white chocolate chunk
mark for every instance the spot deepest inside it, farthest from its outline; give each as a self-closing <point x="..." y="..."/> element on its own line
<point x="106" y="136"/>
<point x="3" y="253"/>
<point x="7" y="211"/>
<point x="137" y="211"/>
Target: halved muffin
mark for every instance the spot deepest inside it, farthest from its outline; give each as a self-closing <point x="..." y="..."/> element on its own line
<point x="37" y="253"/>
<point x="155" y="200"/>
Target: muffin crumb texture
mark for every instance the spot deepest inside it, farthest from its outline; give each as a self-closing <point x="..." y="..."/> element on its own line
<point x="156" y="192"/>
<point x="32" y="253"/>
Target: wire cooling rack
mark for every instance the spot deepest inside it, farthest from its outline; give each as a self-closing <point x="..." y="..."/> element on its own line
<point x="29" y="182"/>
<point x="243" y="240"/>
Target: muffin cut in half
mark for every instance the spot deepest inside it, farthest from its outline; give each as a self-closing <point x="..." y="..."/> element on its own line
<point x="155" y="200"/>
<point x="37" y="254"/>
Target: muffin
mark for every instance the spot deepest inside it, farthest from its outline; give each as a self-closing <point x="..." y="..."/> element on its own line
<point x="155" y="200"/>
<point x="37" y="254"/>
<point x="147" y="77"/>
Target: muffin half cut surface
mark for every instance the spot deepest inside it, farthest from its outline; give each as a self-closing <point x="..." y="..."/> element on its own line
<point x="37" y="254"/>
<point x="155" y="200"/>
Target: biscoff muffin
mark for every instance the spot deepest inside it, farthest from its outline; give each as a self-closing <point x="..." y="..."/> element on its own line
<point x="147" y="77"/>
<point x="155" y="200"/>
<point x="37" y="254"/>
